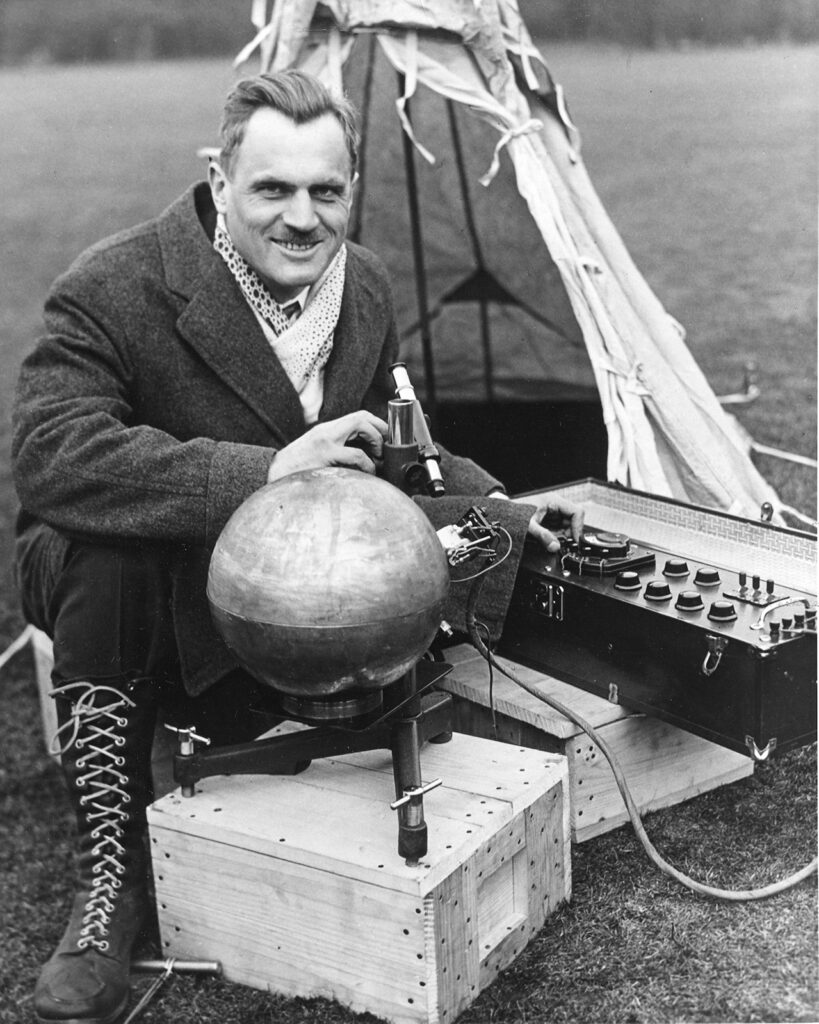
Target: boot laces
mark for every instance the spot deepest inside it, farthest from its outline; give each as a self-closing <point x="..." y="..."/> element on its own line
<point x="93" y="726"/>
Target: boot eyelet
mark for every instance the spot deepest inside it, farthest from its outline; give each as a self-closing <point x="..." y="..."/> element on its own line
<point x="126" y="799"/>
<point x="122" y="723"/>
<point x="120" y="761"/>
<point x="102" y="946"/>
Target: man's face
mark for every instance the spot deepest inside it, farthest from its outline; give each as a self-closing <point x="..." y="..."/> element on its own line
<point x="287" y="201"/>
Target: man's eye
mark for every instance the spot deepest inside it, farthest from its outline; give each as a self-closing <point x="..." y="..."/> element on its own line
<point x="326" y="192"/>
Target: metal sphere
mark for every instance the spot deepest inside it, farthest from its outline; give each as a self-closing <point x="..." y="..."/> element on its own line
<point x="326" y="581"/>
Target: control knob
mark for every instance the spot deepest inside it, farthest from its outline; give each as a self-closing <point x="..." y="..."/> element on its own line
<point x="627" y="579"/>
<point x="689" y="601"/>
<point x="722" y="611"/>
<point x="657" y="590"/>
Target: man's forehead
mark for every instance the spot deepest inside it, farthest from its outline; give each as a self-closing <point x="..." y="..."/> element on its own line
<point x="274" y="143"/>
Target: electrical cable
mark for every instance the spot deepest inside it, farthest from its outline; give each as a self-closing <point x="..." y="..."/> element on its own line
<point x="735" y="895"/>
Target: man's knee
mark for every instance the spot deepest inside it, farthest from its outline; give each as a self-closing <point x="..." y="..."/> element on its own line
<point x="107" y="607"/>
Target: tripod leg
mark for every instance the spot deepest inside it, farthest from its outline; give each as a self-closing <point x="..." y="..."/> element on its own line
<point x="406" y="763"/>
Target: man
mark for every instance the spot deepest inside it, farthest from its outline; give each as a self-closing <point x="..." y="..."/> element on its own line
<point x="186" y="363"/>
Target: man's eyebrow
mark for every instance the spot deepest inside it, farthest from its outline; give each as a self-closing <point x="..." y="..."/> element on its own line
<point x="264" y="183"/>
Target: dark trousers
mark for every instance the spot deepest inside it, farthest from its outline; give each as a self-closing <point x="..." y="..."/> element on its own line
<point x="107" y="609"/>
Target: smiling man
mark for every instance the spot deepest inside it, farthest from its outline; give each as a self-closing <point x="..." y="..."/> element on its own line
<point x="237" y="338"/>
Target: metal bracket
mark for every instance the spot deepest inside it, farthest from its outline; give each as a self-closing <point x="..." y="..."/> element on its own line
<point x="548" y="600"/>
<point x="716" y="648"/>
<point x="756" y="753"/>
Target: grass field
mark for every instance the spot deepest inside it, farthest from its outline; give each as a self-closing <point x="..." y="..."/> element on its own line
<point x="707" y="163"/>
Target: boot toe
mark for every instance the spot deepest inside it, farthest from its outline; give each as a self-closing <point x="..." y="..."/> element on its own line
<point x="81" y="989"/>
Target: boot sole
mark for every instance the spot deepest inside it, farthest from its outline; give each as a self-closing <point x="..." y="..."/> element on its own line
<point x="108" y="1019"/>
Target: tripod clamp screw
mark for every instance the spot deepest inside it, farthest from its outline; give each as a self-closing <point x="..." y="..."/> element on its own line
<point x="186" y="737"/>
<point x="411" y="795"/>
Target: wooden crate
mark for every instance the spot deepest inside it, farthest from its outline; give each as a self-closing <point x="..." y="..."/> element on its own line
<point x="295" y="885"/>
<point x="663" y="765"/>
<point x="41" y="648"/>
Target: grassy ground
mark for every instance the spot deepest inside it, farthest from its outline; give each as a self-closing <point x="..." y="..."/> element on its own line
<point x="707" y="163"/>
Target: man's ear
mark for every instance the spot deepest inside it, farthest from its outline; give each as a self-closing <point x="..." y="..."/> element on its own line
<point x="217" y="179"/>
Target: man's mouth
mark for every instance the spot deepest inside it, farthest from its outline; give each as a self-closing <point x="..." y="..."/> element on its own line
<point x="296" y="246"/>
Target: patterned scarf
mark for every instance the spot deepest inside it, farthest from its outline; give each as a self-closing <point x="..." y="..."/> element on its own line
<point x="302" y="346"/>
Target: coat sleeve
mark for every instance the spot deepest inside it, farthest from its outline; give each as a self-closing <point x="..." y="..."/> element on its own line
<point x="81" y="462"/>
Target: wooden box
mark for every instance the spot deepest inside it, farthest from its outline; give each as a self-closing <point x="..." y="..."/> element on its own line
<point x="663" y="765"/>
<point x="42" y="652"/>
<point x="295" y="885"/>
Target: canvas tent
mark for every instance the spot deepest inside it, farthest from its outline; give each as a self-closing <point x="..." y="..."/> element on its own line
<point x="511" y="283"/>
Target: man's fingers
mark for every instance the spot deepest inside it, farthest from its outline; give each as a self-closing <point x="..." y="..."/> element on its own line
<point x="352" y="458"/>
<point x="546" y="537"/>
<point x="558" y="515"/>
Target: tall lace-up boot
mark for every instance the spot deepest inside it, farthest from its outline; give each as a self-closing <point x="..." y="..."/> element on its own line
<point x="105" y="736"/>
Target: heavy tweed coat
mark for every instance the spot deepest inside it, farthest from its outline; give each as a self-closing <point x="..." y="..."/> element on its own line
<point x="153" y="406"/>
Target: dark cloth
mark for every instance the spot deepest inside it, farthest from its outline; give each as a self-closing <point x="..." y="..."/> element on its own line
<point x="153" y="406"/>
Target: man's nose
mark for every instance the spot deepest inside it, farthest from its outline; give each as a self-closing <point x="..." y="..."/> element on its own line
<point x="300" y="213"/>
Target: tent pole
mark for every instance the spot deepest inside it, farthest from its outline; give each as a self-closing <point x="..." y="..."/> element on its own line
<point x="357" y="228"/>
<point x="483" y="306"/>
<point x="430" y="403"/>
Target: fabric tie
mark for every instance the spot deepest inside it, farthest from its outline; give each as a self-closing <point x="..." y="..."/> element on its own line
<point x="304" y="337"/>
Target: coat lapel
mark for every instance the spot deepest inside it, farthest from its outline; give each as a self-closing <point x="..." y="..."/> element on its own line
<point x="218" y="323"/>
<point x="356" y="346"/>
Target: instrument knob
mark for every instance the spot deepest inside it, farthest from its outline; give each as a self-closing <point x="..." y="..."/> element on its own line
<point x="676" y="567"/>
<point x="743" y="580"/>
<point x="689" y="601"/>
<point x="798" y="620"/>
<point x="627" y="579"/>
<point x="769" y="586"/>
<point x="706" y="577"/>
<point x="657" y="590"/>
<point x="773" y="627"/>
<point x="755" y="582"/>
<point x="722" y="611"/>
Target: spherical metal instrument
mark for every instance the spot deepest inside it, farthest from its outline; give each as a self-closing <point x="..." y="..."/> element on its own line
<point x="328" y="581"/>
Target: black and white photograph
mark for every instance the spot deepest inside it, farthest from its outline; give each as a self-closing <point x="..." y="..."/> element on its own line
<point x="408" y="511"/>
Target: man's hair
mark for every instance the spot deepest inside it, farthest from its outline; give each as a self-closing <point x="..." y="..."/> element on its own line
<point x="297" y="95"/>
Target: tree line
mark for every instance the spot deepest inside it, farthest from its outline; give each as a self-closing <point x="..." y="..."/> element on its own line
<point x="65" y="31"/>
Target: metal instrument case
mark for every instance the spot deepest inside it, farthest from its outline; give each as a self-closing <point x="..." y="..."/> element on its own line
<point x="729" y="682"/>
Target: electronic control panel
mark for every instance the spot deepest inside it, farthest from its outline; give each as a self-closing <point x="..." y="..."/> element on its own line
<point x="763" y="611"/>
<point x="730" y="655"/>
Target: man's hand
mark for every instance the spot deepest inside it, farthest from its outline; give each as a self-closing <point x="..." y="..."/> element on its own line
<point x="354" y="440"/>
<point x="556" y="513"/>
